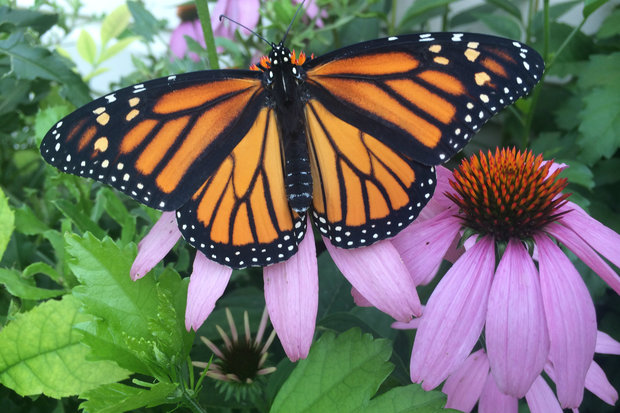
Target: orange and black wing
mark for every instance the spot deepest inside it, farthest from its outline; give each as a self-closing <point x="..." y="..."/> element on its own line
<point x="158" y="141"/>
<point x="382" y="113"/>
<point x="424" y="95"/>
<point x="240" y="215"/>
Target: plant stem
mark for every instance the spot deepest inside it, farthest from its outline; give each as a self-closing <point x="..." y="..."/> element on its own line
<point x="205" y="21"/>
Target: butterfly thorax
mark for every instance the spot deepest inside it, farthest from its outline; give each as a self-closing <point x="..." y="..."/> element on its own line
<point x="284" y="81"/>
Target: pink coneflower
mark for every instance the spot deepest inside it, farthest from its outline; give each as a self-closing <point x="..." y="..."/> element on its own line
<point x="240" y="363"/>
<point x="536" y="313"/>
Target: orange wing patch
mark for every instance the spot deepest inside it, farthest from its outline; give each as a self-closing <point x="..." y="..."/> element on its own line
<point x="242" y="208"/>
<point x="359" y="182"/>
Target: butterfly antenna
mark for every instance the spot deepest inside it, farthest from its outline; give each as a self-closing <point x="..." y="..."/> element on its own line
<point x="292" y="21"/>
<point x="271" y="44"/>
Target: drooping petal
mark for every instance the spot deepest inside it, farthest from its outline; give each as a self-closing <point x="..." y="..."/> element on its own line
<point x="359" y="299"/>
<point x="206" y="285"/>
<point x="178" y="43"/>
<point x="540" y="398"/>
<point x="574" y="242"/>
<point x="409" y="325"/>
<point x="379" y="275"/>
<point x="454" y="316"/>
<point x="292" y="297"/>
<point x="571" y="321"/>
<point x="603" y="239"/>
<point x="597" y="383"/>
<point x="422" y="245"/>
<point x="465" y="384"/>
<point x="605" y="344"/>
<point x="157" y="243"/>
<point x="492" y="400"/>
<point x="516" y="333"/>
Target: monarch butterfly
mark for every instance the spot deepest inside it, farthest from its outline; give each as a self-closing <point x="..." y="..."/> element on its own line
<point x="350" y="137"/>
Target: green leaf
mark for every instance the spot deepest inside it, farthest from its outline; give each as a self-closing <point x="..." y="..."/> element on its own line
<point x="145" y="24"/>
<point x="23" y="288"/>
<point x="601" y="70"/>
<point x="507" y="6"/>
<point x="590" y="6"/>
<point x="42" y="268"/>
<point x="504" y="25"/>
<point x="555" y="12"/>
<point x="86" y="47"/>
<point x="408" y="399"/>
<point x="142" y="321"/>
<point x="21" y="18"/>
<point x="421" y="7"/>
<point x="341" y="374"/>
<point x="114" y="24"/>
<point x="46" y="118"/>
<point x="7" y="218"/>
<point x="114" y="49"/>
<point x="600" y="126"/>
<point x="79" y="218"/>
<point x="117" y="397"/>
<point x="40" y="352"/>
<point x="31" y="62"/>
<point x="577" y="173"/>
<point x="610" y="26"/>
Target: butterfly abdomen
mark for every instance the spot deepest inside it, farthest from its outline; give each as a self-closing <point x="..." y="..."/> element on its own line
<point x="297" y="176"/>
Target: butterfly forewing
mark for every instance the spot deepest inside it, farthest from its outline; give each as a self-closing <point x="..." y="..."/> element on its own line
<point x="240" y="216"/>
<point x="155" y="141"/>
<point x="424" y="95"/>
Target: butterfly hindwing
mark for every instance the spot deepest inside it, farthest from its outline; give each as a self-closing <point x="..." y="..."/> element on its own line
<point x="159" y="140"/>
<point x="240" y="216"/>
<point x="424" y="95"/>
<point x="364" y="191"/>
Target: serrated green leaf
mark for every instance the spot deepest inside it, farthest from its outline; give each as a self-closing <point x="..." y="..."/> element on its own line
<point x="600" y="126"/>
<point x="40" y="352"/>
<point x="31" y="62"/>
<point x="7" y="221"/>
<point x="12" y="18"/>
<point x="41" y="268"/>
<point x="577" y="173"/>
<point x="504" y="25"/>
<point x="114" y="24"/>
<point x="601" y="70"/>
<point x="86" y="47"/>
<point x="145" y="24"/>
<point x="112" y="50"/>
<point x="590" y="6"/>
<point x="610" y="26"/>
<point x="408" y="399"/>
<point x="117" y="398"/>
<point x="341" y="374"/>
<point x="23" y="288"/>
<point x="119" y="213"/>
<point x="133" y="316"/>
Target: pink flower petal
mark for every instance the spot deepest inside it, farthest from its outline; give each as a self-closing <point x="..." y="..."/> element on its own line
<point x="422" y="245"/>
<point x="292" y="297"/>
<point x="243" y="11"/>
<point x="379" y="275"/>
<point x="157" y="243"/>
<point x="465" y="385"/>
<point x="540" y="398"/>
<point x="206" y="285"/>
<point x="603" y="239"/>
<point x="409" y="325"/>
<point x="492" y="400"/>
<point x="516" y="333"/>
<point x="571" y="321"/>
<point x="454" y="316"/>
<point x="577" y="245"/>
<point x="597" y="383"/>
<point x="606" y="345"/>
<point x="359" y="299"/>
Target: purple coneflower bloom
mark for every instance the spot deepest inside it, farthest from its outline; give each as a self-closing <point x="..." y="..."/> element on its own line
<point x="534" y="317"/>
